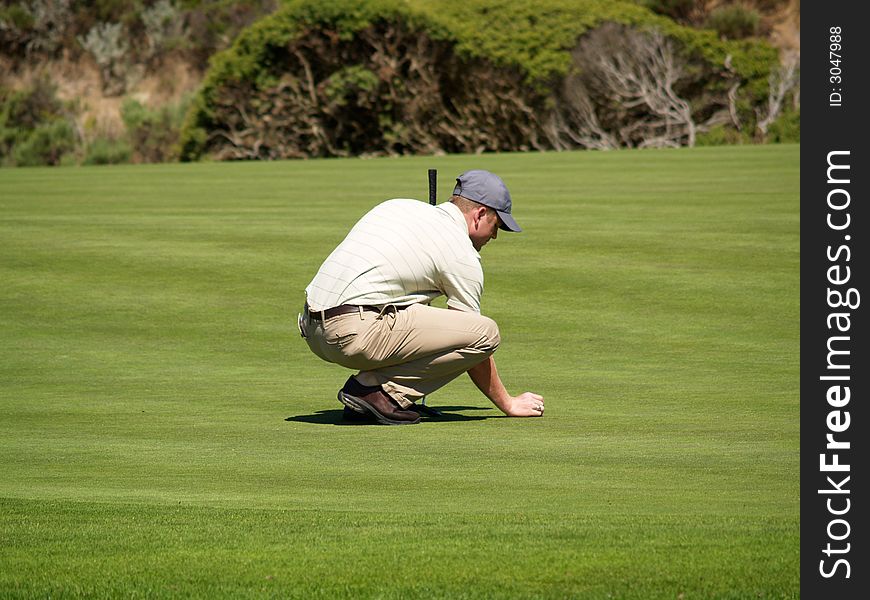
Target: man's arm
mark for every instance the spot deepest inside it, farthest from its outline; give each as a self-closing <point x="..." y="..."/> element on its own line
<point x="485" y="377"/>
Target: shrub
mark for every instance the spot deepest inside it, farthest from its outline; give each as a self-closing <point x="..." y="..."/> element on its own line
<point x="106" y="151"/>
<point x="35" y="128"/>
<point x="678" y="10"/>
<point x="47" y="144"/>
<point x="108" y="46"/>
<point x="626" y="90"/>
<point x="395" y="77"/>
<point x="36" y="26"/>
<point x="721" y="135"/>
<point x="164" y="27"/>
<point x="28" y="107"/>
<point x="153" y="133"/>
<point x="151" y="28"/>
<point x="733" y="22"/>
<point x="16" y="23"/>
<point x="787" y="128"/>
<point x="212" y="25"/>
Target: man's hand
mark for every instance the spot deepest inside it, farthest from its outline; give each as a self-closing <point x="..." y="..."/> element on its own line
<point x="526" y="404"/>
<point x="485" y="377"/>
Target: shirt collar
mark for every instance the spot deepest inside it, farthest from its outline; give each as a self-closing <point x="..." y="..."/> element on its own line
<point x="454" y="213"/>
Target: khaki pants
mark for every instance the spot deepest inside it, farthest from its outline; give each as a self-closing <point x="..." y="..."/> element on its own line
<point x="410" y="353"/>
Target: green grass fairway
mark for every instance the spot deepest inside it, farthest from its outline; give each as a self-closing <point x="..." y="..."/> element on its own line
<point x="165" y="432"/>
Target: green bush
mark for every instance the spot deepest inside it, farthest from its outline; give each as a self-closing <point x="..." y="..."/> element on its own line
<point x="197" y="28"/>
<point x="35" y="128"/>
<point x="721" y="135"/>
<point x="301" y="81"/>
<point x="28" y="28"/>
<point x="733" y="22"/>
<point x="787" y="128"/>
<point x="679" y="10"/>
<point x="213" y="24"/>
<point x="106" y="151"/>
<point x="25" y="109"/>
<point x="47" y="144"/>
<point x="153" y="133"/>
<point x="15" y="17"/>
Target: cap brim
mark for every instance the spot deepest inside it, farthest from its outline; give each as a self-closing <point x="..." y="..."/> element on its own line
<point x="507" y="222"/>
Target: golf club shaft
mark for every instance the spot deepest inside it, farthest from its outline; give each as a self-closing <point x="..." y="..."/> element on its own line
<point x="433" y="186"/>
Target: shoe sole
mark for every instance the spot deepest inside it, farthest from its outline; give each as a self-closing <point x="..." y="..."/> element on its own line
<point x="357" y="418"/>
<point x="350" y="402"/>
<point x="360" y="405"/>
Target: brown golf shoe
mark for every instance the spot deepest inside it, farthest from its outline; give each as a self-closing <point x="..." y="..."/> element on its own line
<point x="351" y="416"/>
<point x="373" y="400"/>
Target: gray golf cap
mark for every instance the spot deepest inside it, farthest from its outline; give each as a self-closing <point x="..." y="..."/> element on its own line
<point x="488" y="189"/>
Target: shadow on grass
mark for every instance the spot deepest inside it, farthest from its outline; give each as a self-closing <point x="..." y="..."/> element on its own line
<point x="447" y="414"/>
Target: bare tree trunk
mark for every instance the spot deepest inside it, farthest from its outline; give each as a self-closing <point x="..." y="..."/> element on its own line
<point x="782" y="81"/>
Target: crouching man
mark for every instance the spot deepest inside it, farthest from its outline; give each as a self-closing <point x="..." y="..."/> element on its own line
<point x="367" y="309"/>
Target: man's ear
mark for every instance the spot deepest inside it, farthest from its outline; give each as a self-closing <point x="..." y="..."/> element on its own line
<point x="479" y="213"/>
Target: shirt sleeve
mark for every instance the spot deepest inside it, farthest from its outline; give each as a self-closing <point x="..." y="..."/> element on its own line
<point x="462" y="283"/>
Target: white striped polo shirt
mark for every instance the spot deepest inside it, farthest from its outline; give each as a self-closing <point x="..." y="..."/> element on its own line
<point x="402" y="252"/>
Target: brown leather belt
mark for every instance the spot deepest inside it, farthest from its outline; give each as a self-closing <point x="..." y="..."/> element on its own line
<point x="344" y="309"/>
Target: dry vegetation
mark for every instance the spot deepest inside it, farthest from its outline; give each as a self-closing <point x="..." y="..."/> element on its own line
<point x="95" y="73"/>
